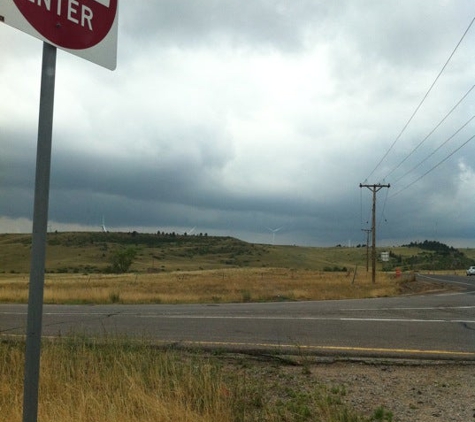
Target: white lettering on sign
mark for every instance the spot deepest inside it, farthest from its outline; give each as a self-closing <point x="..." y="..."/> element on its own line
<point x="74" y="12"/>
<point x="105" y="3"/>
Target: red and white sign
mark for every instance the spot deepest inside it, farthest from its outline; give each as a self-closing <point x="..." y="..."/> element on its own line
<point x="87" y="28"/>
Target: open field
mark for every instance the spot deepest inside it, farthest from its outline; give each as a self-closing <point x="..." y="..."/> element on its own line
<point x="212" y="286"/>
<point x="200" y="269"/>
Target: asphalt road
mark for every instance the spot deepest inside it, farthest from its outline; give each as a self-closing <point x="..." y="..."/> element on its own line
<point x="435" y="326"/>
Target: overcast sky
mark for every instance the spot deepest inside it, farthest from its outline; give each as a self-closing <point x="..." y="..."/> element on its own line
<point x="238" y="118"/>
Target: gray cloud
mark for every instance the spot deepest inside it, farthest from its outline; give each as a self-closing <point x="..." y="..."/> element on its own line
<point x="236" y="118"/>
<point x="278" y="24"/>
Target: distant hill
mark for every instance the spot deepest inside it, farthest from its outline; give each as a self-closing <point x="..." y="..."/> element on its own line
<point x="91" y="252"/>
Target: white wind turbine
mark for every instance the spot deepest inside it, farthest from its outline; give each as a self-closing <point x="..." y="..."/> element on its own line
<point x="103" y="227"/>
<point x="189" y="232"/>
<point x="274" y="231"/>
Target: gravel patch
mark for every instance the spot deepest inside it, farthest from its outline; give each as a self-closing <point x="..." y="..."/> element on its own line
<point x="405" y="390"/>
<point x="419" y="392"/>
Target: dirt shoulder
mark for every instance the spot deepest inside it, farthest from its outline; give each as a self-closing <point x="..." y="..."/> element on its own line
<point x="420" y="286"/>
<point x="422" y="392"/>
<point x="419" y="391"/>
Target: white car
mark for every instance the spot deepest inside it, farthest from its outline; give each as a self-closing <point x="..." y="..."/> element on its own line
<point x="471" y="270"/>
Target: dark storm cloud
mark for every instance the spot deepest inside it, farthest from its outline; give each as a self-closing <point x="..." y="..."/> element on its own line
<point x="239" y="117"/>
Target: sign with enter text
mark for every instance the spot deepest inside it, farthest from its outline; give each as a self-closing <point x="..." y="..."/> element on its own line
<point x="85" y="28"/>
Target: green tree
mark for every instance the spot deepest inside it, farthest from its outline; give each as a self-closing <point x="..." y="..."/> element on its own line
<point x="122" y="259"/>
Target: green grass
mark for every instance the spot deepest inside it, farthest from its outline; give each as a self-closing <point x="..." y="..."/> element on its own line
<point x="86" y="253"/>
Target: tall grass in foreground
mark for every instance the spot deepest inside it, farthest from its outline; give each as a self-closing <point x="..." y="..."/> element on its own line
<point x="112" y="381"/>
<point x="219" y="286"/>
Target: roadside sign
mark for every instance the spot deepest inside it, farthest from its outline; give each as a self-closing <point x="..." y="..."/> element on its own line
<point x="85" y="28"/>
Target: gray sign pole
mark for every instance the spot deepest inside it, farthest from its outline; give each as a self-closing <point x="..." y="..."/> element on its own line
<point x="40" y="227"/>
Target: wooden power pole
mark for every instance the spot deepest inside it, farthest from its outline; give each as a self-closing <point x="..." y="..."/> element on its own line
<point x="367" y="231"/>
<point x="374" y="188"/>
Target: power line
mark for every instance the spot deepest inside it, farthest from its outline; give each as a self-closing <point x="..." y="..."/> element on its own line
<point x="384" y="208"/>
<point x="369" y="214"/>
<point x="437" y="149"/>
<point x="431" y="132"/>
<point x="433" y="168"/>
<point x="422" y="101"/>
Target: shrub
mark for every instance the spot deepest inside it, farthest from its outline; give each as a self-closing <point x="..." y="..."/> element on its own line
<point x="122" y="259"/>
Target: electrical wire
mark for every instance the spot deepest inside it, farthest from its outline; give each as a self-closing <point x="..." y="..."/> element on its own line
<point x="384" y="207"/>
<point x="422" y="101"/>
<point x="437" y="149"/>
<point x="361" y="209"/>
<point x="431" y="132"/>
<point x="362" y="223"/>
<point x="433" y="168"/>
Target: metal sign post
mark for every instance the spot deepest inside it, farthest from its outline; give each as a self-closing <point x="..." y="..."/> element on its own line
<point x="40" y="227"/>
<point x="87" y="29"/>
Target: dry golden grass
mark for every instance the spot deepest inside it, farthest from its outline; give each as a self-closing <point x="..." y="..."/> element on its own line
<point x="118" y="380"/>
<point x="83" y="382"/>
<point x="220" y="286"/>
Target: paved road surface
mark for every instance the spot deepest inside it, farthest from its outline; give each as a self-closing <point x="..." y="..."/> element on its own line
<point x="429" y="326"/>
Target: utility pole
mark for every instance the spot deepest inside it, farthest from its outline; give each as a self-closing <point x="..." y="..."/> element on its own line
<point x="374" y="188"/>
<point x="368" y="231"/>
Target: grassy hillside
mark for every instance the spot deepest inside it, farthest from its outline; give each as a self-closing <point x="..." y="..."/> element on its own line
<point x="92" y="253"/>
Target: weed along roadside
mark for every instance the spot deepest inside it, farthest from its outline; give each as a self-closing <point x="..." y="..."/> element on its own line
<point x="116" y="379"/>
